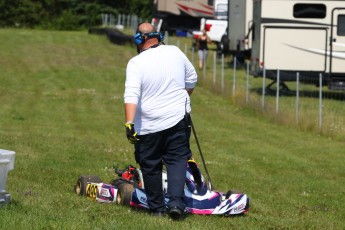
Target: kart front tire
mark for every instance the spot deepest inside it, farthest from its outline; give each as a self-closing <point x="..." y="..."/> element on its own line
<point x="83" y="180"/>
<point x="124" y="194"/>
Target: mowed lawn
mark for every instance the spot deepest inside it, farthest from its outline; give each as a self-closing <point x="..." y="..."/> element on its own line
<point x="61" y="111"/>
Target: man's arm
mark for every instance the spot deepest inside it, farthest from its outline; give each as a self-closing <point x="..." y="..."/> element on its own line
<point x="191" y="76"/>
<point x="130" y="110"/>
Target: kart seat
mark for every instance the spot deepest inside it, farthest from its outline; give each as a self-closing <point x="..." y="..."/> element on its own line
<point x="194" y="180"/>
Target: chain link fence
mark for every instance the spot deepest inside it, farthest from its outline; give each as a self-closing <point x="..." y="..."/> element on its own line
<point x="121" y="21"/>
<point x="299" y="102"/>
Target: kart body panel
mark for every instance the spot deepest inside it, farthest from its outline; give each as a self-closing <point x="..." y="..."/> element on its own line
<point x="198" y="198"/>
<point x="212" y="202"/>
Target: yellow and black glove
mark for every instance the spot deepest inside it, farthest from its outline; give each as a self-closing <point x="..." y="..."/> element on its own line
<point x="131" y="134"/>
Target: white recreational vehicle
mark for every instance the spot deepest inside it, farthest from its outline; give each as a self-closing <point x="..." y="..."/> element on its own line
<point x="182" y="14"/>
<point x="238" y="38"/>
<point x="220" y="9"/>
<point x="305" y="36"/>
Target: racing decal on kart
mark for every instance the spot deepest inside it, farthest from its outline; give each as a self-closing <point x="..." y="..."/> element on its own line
<point x="91" y="191"/>
<point x="107" y="194"/>
<point x="139" y="199"/>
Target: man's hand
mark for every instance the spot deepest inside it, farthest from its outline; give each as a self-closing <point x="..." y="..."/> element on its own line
<point x="131" y="134"/>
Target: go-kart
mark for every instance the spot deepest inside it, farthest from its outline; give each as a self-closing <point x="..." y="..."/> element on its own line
<point x="129" y="189"/>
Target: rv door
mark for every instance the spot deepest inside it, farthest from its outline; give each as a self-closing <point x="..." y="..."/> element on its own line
<point x="337" y="57"/>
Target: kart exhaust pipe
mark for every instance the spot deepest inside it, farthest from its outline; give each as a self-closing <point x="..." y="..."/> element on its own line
<point x="211" y="187"/>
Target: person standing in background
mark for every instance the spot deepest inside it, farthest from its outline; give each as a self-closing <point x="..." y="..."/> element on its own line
<point x="202" y="45"/>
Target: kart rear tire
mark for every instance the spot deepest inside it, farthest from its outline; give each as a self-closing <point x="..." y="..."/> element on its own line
<point x="124" y="194"/>
<point x="116" y="182"/>
<point x="83" y="180"/>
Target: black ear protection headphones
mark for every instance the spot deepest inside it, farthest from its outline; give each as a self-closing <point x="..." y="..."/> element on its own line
<point x="140" y="37"/>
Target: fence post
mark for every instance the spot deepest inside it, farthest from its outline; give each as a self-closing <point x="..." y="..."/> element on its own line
<point x="263" y="88"/>
<point x="214" y="67"/>
<point x="166" y="38"/>
<point x="178" y="43"/>
<point x="222" y="73"/>
<point x="234" y="81"/>
<point x="320" y="103"/>
<point x="247" y="84"/>
<point x="119" y="19"/>
<point x="193" y="55"/>
<point x="134" y="22"/>
<point x="204" y="64"/>
<point x="123" y="18"/>
<point x="277" y="95"/>
<point x="297" y="98"/>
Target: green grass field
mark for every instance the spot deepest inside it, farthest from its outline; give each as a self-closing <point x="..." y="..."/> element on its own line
<point x="61" y="97"/>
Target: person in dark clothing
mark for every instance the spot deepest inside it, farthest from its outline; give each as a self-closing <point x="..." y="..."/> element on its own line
<point x="202" y="45"/>
<point x="159" y="82"/>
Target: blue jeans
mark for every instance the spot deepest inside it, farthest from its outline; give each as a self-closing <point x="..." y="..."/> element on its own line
<point x="171" y="147"/>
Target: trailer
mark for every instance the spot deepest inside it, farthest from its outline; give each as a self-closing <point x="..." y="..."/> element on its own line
<point x="182" y="15"/>
<point x="238" y="39"/>
<point x="220" y="9"/>
<point x="296" y="36"/>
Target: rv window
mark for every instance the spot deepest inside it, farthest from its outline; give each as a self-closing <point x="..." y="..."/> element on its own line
<point x="309" y="11"/>
<point x="222" y="10"/>
<point x="341" y="25"/>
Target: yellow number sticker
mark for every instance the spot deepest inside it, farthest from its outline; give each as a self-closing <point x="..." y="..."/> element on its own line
<point x="91" y="191"/>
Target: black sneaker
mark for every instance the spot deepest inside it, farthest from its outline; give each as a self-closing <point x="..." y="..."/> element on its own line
<point x="175" y="213"/>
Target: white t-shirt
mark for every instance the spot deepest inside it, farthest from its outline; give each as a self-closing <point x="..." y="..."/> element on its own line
<point x="156" y="80"/>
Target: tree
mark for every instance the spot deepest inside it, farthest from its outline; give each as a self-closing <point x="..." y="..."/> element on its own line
<point x="67" y="14"/>
<point x="23" y="13"/>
